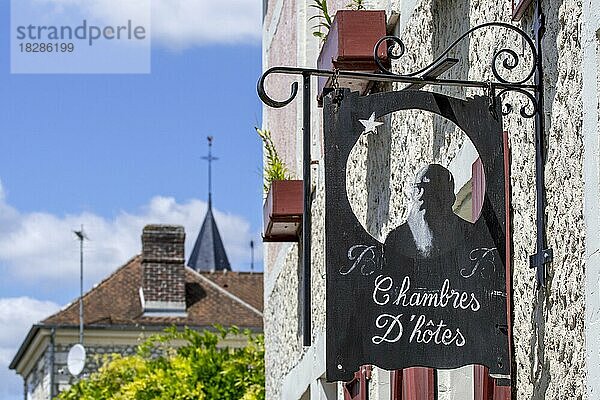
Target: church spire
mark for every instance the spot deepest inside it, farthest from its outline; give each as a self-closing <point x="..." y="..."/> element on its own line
<point x="209" y="253"/>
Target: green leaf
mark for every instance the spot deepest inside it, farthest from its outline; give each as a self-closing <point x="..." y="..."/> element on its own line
<point x="323" y="16"/>
<point x="180" y="365"/>
<point x="275" y="169"/>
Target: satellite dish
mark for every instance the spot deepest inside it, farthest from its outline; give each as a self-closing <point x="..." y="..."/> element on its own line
<point x="76" y="359"/>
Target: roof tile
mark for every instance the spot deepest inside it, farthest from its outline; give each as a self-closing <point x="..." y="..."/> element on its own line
<point x="116" y="300"/>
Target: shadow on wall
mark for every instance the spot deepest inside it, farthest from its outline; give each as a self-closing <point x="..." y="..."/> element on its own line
<point x="378" y="177"/>
<point x="379" y="146"/>
<point x="449" y="23"/>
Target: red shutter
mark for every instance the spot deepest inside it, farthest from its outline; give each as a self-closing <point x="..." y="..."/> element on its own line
<point x="396" y="385"/>
<point x="486" y="388"/>
<point x="483" y="386"/>
<point x="357" y="388"/>
<point x="418" y="384"/>
<point x="413" y="384"/>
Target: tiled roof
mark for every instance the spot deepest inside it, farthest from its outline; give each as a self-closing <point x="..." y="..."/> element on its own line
<point x="225" y="298"/>
<point x="244" y="285"/>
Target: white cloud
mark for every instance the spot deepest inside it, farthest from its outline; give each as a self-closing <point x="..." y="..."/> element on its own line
<point x="16" y="317"/>
<point x="17" y="314"/>
<point x="189" y="22"/>
<point x="42" y="247"/>
<point x="177" y="24"/>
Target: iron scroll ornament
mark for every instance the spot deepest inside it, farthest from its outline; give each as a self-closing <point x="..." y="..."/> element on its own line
<point x="510" y="62"/>
<point x="501" y="85"/>
<point x="493" y="89"/>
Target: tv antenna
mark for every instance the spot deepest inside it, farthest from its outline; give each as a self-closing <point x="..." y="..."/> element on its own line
<point x="81" y="236"/>
<point x="76" y="356"/>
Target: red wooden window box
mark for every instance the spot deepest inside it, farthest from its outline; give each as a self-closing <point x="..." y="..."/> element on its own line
<point x="349" y="47"/>
<point x="282" y="211"/>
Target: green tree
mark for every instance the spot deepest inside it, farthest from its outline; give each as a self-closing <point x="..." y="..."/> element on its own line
<point x="179" y="365"/>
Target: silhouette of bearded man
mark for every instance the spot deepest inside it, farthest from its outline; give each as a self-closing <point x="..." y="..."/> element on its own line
<point x="431" y="228"/>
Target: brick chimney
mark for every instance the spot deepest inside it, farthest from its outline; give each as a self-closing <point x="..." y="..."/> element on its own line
<point x="163" y="283"/>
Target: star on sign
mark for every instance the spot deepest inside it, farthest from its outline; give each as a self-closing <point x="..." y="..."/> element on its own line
<point x="370" y="124"/>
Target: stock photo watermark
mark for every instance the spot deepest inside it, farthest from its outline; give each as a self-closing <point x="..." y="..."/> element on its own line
<point x="94" y="36"/>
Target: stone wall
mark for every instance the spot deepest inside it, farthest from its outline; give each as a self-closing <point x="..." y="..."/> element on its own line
<point x="37" y="383"/>
<point x="548" y="329"/>
<point x="95" y="356"/>
<point x="283" y="343"/>
<point x="555" y="319"/>
<point x="549" y="323"/>
<point x="38" y="380"/>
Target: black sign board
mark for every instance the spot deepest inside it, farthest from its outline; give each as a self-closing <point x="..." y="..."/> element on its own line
<point x="433" y="294"/>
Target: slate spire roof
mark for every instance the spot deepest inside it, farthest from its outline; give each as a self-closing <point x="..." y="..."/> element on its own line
<point x="209" y="253"/>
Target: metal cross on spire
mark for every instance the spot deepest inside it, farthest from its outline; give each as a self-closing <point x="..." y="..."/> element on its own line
<point x="210" y="159"/>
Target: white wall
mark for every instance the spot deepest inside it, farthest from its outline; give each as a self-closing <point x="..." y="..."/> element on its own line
<point x="591" y="118"/>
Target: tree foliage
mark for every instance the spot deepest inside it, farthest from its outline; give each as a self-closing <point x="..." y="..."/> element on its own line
<point x="195" y="369"/>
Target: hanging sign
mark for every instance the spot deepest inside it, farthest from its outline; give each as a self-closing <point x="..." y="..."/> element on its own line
<point x="433" y="292"/>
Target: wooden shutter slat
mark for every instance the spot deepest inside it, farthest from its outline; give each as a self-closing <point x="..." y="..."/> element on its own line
<point x="418" y="384"/>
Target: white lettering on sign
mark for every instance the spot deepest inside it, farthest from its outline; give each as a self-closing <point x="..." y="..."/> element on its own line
<point x="480" y="258"/>
<point x="388" y="292"/>
<point x="442" y="298"/>
<point x="363" y="257"/>
<point x="382" y="284"/>
<point x="392" y="325"/>
<point x="422" y="332"/>
<point x="437" y="333"/>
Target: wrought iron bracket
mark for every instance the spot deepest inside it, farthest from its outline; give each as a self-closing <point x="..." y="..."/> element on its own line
<point x="504" y="61"/>
<point x="539" y="259"/>
<point x="499" y="87"/>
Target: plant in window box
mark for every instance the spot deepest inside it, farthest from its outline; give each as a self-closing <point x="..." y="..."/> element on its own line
<point x="348" y="43"/>
<point x="282" y="210"/>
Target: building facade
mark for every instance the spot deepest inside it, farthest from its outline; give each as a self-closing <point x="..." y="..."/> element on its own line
<point x="555" y="329"/>
<point x="151" y="292"/>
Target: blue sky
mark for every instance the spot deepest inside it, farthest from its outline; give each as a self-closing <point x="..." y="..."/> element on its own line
<point x="105" y="143"/>
<point x="116" y="152"/>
